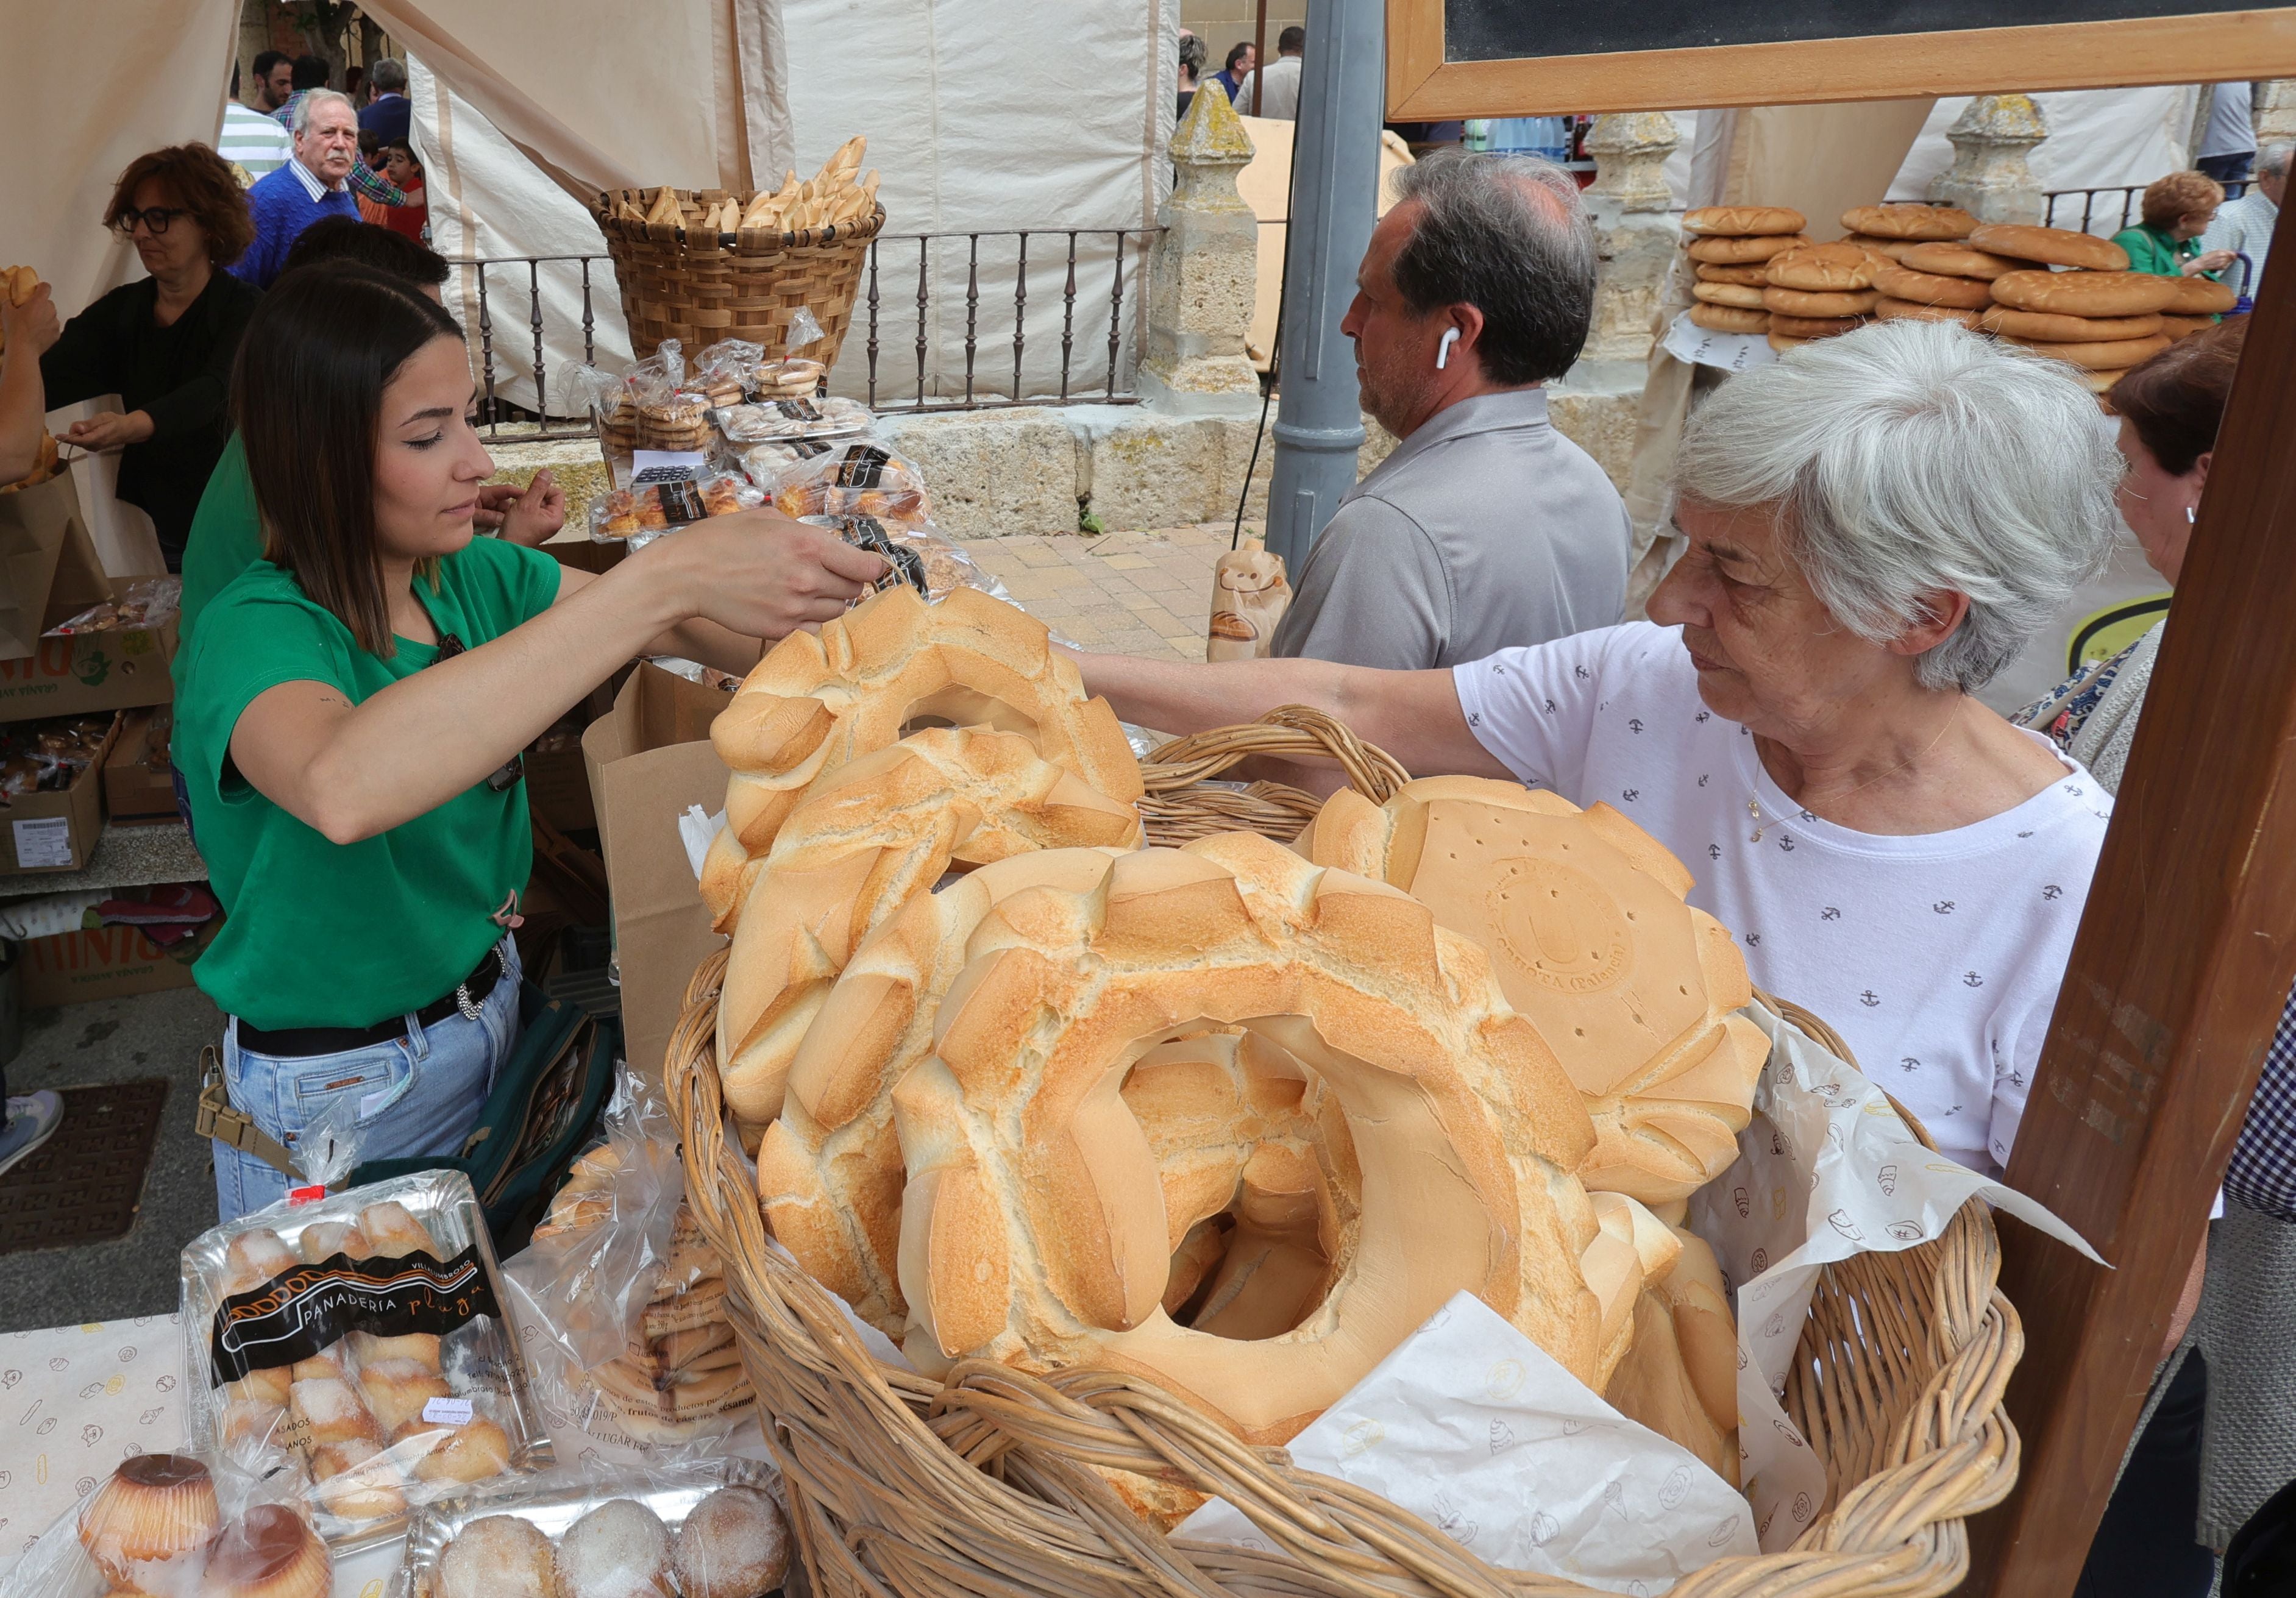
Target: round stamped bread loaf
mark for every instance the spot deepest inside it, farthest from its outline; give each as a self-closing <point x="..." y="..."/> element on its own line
<point x="1873" y="245"/>
<point x="2054" y="246"/>
<point x="1890" y="310"/>
<point x="1824" y="269"/>
<point x="1728" y="319"/>
<point x="2109" y="356"/>
<point x="1757" y="275"/>
<point x="2068" y="329"/>
<point x="1814" y="327"/>
<point x="829" y="1169"/>
<point x="1033" y="1229"/>
<point x="1910" y="221"/>
<point x="1927" y="287"/>
<point x="1742" y="220"/>
<point x="2183" y="327"/>
<point x="1592" y="941"/>
<point x="1959" y="260"/>
<point x="1744" y="296"/>
<point x="1805" y="302"/>
<point x="1738" y="251"/>
<point x="866" y="838"/>
<point x="2084" y="293"/>
<point x="2198" y="296"/>
<point x="816" y="702"/>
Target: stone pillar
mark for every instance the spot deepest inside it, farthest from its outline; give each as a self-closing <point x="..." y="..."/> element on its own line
<point x="2274" y="112"/>
<point x="1204" y="270"/>
<point x="1634" y="233"/>
<point x="1990" y="176"/>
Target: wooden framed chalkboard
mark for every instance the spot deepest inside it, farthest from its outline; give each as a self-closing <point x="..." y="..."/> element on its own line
<point x="1476" y="58"/>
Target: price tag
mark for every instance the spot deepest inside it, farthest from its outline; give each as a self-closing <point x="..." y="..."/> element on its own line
<point x="306" y="1195"/>
<point x="448" y="1411"/>
<point x="47" y="841"/>
<point x="1685" y="340"/>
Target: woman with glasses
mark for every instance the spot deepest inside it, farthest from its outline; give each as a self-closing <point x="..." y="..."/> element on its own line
<point x="350" y="710"/>
<point x="164" y="343"/>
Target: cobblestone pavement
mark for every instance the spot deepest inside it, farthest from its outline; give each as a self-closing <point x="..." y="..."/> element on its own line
<point x="1136" y="593"/>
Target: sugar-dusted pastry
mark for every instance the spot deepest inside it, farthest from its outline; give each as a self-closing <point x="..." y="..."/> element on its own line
<point x="497" y="1557"/>
<point x="396" y="1389"/>
<point x="735" y="1544"/>
<point x="331" y="1411"/>
<point x="253" y="1258"/>
<point x="618" y="1550"/>
<point x="393" y="1232"/>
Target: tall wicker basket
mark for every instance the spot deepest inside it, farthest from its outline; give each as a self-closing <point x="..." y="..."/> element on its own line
<point x="981" y="1488"/>
<point x="680" y="283"/>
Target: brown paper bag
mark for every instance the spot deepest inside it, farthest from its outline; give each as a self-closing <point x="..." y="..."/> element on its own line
<point x="48" y="566"/>
<point x="1249" y="598"/>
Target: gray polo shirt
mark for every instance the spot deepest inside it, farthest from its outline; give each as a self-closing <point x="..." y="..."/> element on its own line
<point x="1485" y="529"/>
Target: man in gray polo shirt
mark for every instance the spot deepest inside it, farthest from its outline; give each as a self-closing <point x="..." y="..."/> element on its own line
<point x="1486" y="528"/>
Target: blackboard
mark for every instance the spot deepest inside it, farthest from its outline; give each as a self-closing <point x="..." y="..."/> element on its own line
<point x="1503" y="58"/>
<point x="1509" y="29"/>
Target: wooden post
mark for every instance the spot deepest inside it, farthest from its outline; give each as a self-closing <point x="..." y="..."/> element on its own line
<point x="1258" y="51"/>
<point x="2176" y="984"/>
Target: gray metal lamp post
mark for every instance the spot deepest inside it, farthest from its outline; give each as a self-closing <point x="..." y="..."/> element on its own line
<point x="1334" y="200"/>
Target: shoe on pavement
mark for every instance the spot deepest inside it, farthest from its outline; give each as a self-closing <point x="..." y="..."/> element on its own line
<point x="32" y="1119"/>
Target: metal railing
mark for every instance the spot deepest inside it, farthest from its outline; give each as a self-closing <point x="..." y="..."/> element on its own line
<point x="890" y="258"/>
<point x="1101" y="271"/>
<point x="2124" y="200"/>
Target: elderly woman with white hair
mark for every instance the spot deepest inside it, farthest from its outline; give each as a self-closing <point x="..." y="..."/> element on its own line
<point x="1876" y="524"/>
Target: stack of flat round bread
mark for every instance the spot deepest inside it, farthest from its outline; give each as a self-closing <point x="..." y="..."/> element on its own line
<point x="1729" y="248"/>
<point x="2102" y="322"/>
<point x="1819" y="290"/>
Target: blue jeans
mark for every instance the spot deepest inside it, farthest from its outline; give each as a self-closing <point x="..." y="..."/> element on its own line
<point x="420" y="1093"/>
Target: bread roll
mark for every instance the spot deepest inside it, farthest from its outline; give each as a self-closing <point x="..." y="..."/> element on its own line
<point x="497" y="1557"/>
<point x="1907" y="221"/>
<point x="1889" y="310"/>
<point x="392" y="1230"/>
<point x="331" y="1411"/>
<point x="1643" y="1020"/>
<point x="254" y="1258"/>
<point x="1959" y="260"/>
<point x="2198" y="296"/>
<point x="1824" y="269"/>
<point x="1728" y="319"/>
<point x="1872" y="245"/>
<point x="815" y="702"/>
<point x="1814" y="327"/>
<point x="618" y="1550"/>
<point x="1033" y="1227"/>
<point x="735" y="1544"/>
<point x="1680" y="1379"/>
<point x="868" y="836"/>
<point x="1731" y="251"/>
<point x="1926" y="288"/>
<point x="398" y="1389"/>
<point x="2086" y="293"/>
<point x="1804" y="302"/>
<point x="2068" y="329"/>
<point x="828" y="1169"/>
<point x="1782" y="342"/>
<point x="1744" y="296"/>
<point x="2109" y="356"/>
<point x="1743" y="220"/>
<point x="357" y="1481"/>
<point x="1755" y="276"/>
<point x="2179" y="327"/>
<point x="2052" y="246"/>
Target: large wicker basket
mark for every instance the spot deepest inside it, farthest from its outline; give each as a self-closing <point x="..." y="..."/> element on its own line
<point x="680" y="283"/>
<point x="982" y="1486"/>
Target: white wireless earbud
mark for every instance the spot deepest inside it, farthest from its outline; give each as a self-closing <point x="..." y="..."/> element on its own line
<point x="2189" y="516"/>
<point x="1443" y="350"/>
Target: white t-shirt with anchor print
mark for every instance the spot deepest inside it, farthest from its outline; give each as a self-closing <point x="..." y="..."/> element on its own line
<point x="1937" y="957"/>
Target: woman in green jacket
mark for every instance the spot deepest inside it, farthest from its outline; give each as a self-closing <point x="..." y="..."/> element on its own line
<point x="2177" y="211"/>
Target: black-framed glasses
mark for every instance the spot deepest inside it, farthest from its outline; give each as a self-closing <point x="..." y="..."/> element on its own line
<point x="154" y="217"/>
<point x="508" y="774"/>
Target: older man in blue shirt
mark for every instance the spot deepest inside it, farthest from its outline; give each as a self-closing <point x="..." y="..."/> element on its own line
<point x="314" y="185"/>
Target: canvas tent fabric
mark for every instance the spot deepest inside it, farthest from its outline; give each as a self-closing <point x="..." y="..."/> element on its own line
<point x="2098" y="138"/>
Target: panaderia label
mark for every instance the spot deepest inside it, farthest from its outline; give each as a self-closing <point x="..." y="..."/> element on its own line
<point x="308" y="1308"/>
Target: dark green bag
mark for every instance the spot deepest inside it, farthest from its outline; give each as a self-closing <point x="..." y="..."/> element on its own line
<point x="544" y="1108"/>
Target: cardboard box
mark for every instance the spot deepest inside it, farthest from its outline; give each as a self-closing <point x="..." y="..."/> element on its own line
<point x="48" y="562"/>
<point x="648" y="759"/>
<point x="116" y="668"/>
<point x="106" y="962"/>
<point x="558" y="789"/>
<point x="42" y="834"/>
<point x="133" y="790"/>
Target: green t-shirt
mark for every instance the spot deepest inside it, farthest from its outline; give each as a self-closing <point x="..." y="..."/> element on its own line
<point x="227" y="539"/>
<point x="321" y="934"/>
<point x="2150" y="250"/>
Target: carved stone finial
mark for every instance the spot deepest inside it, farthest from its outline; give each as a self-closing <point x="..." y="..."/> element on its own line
<point x="1630" y="150"/>
<point x="1203" y="271"/>
<point x="1634" y="233"/>
<point x="1992" y="175"/>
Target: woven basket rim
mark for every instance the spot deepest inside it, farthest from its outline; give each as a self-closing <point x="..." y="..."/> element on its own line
<point x="748" y="245"/>
<point x="1008" y="1450"/>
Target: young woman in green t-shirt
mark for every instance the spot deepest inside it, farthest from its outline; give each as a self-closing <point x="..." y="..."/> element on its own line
<point x="348" y="711"/>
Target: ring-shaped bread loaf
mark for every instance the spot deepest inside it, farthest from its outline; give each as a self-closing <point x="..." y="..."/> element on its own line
<point x="1744" y="296"/>
<point x="1836" y="269"/>
<point x="2052" y="329"/>
<point x="1733" y="250"/>
<point x="1742" y="220"/>
<point x="1930" y="288"/>
<point x="1889" y="310"/>
<point x="815" y="702"/>
<point x="1959" y="260"/>
<point x="869" y="837"/>
<point x="1034" y="1228"/>
<point x="1810" y="303"/>
<point x="2198" y="296"/>
<point x="1728" y="319"/>
<point x="2051" y="246"/>
<point x="2111" y="355"/>
<point x="1910" y="221"/>
<point x="1590" y="937"/>
<point x="2086" y="293"/>
<point x="1814" y="327"/>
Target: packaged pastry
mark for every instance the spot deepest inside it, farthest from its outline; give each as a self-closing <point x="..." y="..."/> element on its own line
<point x="168" y="1525"/>
<point x="707" y="1528"/>
<point x="763" y="463"/>
<point x="643" y="512"/>
<point x="354" y="1349"/>
<point x="827" y="417"/>
<point x="862" y="478"/>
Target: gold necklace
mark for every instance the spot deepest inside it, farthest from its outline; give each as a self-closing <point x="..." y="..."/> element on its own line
<point x="1754" y="809"/>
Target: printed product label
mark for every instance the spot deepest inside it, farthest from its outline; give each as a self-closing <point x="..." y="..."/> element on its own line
<point x="47" y="841"/>
<point x="448" y="1411"/>
<point x="309" y="1307"/>
<point x="863" y="467"/>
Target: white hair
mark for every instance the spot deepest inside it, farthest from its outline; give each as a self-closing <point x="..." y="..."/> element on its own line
<point x="2271" y="161"/>
<point x="313" y="99"/>
<point x="1913" y="457"/>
